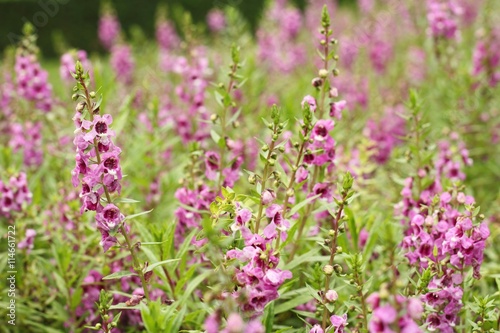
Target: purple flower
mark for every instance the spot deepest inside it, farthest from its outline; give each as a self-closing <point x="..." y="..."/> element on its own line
<point x="109" y="218"/>
<point x="122" y="63"/>
<point x="322" y="129"/>
<point x="28" y="242"/>
<point x="267" y="197"/>
<point x="216" y="20"/>
<point x="336" y="109"/>
<point x="68" y="61"/>
<point x="316" y="329"/>
<point x="166" y="35"/>
<point x="339" y="322"/>
<point x="331" y="296"/>
<point x="212" y="164"/>
<point x="301" y="175"/>
<point x="32" y="82"/>
<point x="14" y="195"/>
<point x="310" y="101"/>
<point x="109" y="28"/>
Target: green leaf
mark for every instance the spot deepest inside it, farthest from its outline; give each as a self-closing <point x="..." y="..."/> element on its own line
<point x="156" y="264"/>
<point x="301" y="204"/>
<point x="351" y="224"/>
<point x="129" y="217"/>
<point x="293" y="303"/>
<point x="123" y="306"/>
<point x="269" y="317"/>
<point x="314" y="293"/>
<point x="119" y="275"/>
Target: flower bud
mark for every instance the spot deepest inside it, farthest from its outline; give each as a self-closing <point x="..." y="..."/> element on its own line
<point x="268" y="196"/>
<point x="323" y="73"/>
<point x="252" y="179"/>
<point x="337" y="268"/>
<point x="317" y="82"/>
<point x="328" y="269"/>
<point x="331" y="296"/>
<point x="80" y="106"/>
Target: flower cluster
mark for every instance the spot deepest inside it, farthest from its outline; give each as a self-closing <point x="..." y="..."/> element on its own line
<point x="190" y="115"/>
<point x="68" y="61"/>
<point x="199" y="199"/>
<point x="259" y="278"/>
<point x="166" y="35"/>
<point x="386" y="134"/>
<point x="122" y="63"/>
<point x="7" y="94"/>
<point x="443" y="18"/>
<point x="97" y="167"/>
<point x="442" y="235"/>
<point x="32" y="82"/>
<point x="322" y="150"/>
<point x="403" y="313"/>
<point x="278" y="47"/>
<point x="234" y="324"/>
<point x="27" y="138"/>
<point x="14" y="195"/>
<point x="216" y="20"/>
<point x="109" y="29"/>
<point x="486" y="57"/>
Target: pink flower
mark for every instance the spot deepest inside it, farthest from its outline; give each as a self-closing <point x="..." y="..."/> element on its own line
<point x="216" y="20"/>
<point x="109" y="28"/>
<point x="310" y="101"/>
<point x="336" y="109"/>
<point x="339" y="322"/>
<point x="331" y="296"/>
<point x="28" y="242"/>
<point x="322" y="129"/>
<point x="122" y="63"/>
<point x="268" y="196"/>
<point x="316" y="329"/>
<point x="301" y="174"/>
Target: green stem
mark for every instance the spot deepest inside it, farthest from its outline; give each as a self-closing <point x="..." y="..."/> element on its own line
<point x="265" y="177"/>
<point x="137" y="266"/>
<point x="333" y="252"/>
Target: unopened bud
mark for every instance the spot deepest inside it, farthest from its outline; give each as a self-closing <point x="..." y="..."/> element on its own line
<point x="328" y="269"/>
<point x="317" y="82"/>
<point x="80" y="106"/>
<point x="337" y="268"/>
<point x="323" y="73"/>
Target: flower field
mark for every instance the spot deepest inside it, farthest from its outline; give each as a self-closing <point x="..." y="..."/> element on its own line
<point x="336" y="170"/>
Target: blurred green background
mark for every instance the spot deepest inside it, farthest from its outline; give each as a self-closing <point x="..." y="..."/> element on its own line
<point x="75" y="21"/>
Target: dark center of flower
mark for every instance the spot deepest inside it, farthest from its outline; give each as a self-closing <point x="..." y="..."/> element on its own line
<point x="111" y="163"/>
<point x="111" y="214"/>
<point x="321" y="131"/>
<point x="101" y="127"/>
